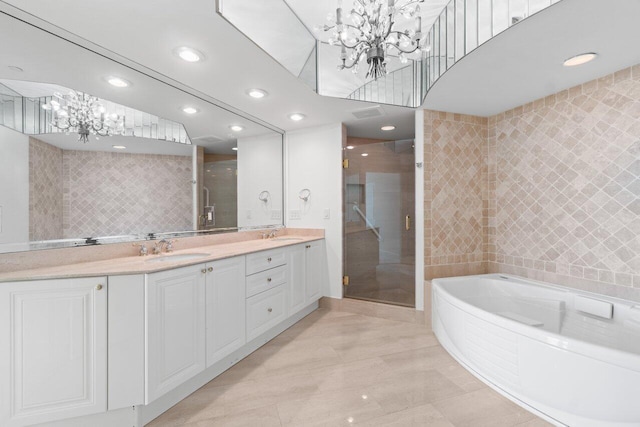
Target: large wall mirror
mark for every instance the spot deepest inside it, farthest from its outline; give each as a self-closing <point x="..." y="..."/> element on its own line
<point x="173" y="163"/>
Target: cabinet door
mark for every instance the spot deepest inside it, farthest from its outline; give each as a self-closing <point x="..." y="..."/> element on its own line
<point x="296" y="280"/>
<point x="53" y="362"/>
<point x="225" y="308"/>
<point x="175" y="318"/>
<point x="313" y="270"/>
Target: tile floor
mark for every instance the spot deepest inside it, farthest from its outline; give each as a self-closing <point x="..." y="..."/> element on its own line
<point x="336" y="368"/>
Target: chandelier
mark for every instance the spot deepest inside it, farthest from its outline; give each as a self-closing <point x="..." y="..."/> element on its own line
<point x="370" y="33"/>
<point x="82" y="113"/>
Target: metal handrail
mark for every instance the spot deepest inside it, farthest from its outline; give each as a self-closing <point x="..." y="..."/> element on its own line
<point x="367" y="222"/>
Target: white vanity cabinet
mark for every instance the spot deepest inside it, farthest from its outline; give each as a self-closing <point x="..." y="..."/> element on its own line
<point x="313" y="260"/>
<point x="53" y="360"/>
<point x="195" y="317"/>
<point x="175" y="328"/>
<point x="305" y="274"/>
<point x="225" y="311"/>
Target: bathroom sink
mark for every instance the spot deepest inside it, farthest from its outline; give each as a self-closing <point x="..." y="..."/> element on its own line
<point x="282" y="239"/>
<point x="176" y="258"/>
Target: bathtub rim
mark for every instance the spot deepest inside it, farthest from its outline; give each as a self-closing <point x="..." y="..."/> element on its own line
<point x="617" y="357"/>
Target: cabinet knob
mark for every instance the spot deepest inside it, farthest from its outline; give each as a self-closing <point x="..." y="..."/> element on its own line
<point x="210" y="269"/>
<point x="308" y="246"/>
<point x="203" y="271"/>
<point x="269" y="279"/>
<point x="98" y="287"/>
<point x="269" y="309"/>
<point x="269" y="259"/>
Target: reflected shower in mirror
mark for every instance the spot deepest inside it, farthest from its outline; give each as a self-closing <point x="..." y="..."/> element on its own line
<point x="92" y="151"/>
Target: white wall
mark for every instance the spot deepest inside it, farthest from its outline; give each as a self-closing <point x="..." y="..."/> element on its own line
<point x="259" y="169"/>
<point x="314" y="161"/>
<point x="14" y="186"/>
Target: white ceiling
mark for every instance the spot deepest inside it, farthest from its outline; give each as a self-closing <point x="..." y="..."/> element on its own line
<point x="147" y="31"/>
<point x="516" y="67"/>
<point x="525" y="62"/>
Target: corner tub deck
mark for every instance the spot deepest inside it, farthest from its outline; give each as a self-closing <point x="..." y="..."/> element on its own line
<point x="572" y="357"/>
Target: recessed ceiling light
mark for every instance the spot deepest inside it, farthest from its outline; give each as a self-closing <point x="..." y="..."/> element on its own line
<point x="350" y="147"/>
<point x="257" y="93"/>
<point x="188" y="54"/>
<point x="119" y="147"/>
<point x="236" y="128"/>
<point x="15" y="68"/>
<point x="387" y="128"/>
<point x="190" y="110"/>
<point x="296" y="117"/>
<point x="234" y="148"/>
<point x="583" y="58"/>
<point x="118" y="82"/>
<point x="364" y="154"/>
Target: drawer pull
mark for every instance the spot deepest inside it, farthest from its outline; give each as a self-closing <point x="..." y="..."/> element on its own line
<point x="203" y="271"/>
<point x="98" y="287"/>
<point x="269" y="259"/>
<point x="269" y="279"/>
<point x="210" y="269"/>
<point x="269" y="309"/>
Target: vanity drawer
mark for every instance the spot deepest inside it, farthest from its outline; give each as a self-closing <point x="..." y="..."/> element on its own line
<point x="265" y="260"/>
<point x="265" y="310"/>
<point x="264" y="280"/>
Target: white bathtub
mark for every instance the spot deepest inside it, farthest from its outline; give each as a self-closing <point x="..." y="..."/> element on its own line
<point x="530" y="341"/>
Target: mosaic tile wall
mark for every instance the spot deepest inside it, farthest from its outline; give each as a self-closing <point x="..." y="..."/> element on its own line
<point x="564" y="185"/>
<point x="118" y="193"/>
<point x="45" y="191"/>
<point x="455" y="171"/>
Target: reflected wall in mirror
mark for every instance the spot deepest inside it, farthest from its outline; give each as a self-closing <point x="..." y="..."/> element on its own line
<point x="56" y="191"/>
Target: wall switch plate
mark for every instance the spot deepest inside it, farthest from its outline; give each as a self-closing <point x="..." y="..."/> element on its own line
<point x="249" y="214"/>
<point x="295" y="214"/>
<point x="326" y="214"/>
<point x="277" y="214"/>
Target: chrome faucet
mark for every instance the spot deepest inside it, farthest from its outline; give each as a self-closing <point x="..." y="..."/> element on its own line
<point x="273" y="234"/>
<point x="143" y="249"/>
<point x="164" y="243"/>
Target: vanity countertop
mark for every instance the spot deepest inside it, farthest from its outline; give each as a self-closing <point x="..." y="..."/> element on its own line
<point x="143" y="264"/>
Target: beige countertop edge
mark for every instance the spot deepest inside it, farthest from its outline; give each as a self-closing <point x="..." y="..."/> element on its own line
<point x="140" y="265"/>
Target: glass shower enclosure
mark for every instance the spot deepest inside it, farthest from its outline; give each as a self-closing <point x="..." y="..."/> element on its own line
<point x="379" y="234"/>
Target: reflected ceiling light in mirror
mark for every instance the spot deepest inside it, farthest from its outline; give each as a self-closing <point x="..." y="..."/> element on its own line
<point x="257" y="93"/>
<point x="236" y="128"/>
<point x="296" y="117"/>
<point x="190" y="110"/>
<point x="189" y="54"/>
<point x="387" y="128"/>
<point x="119" y="147"/>
<point x="118" y="82"/>
<point x="234" y="148"/>
<point x="364" y="154"/>
<point x="350" y="147"/>
<point x="583" y="58"/>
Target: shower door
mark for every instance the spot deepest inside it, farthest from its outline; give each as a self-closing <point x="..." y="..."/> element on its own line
<point x="379" y="237"/>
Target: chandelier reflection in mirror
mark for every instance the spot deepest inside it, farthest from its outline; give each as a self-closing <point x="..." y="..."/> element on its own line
<point x="84" y="114"/>
<point x="371" y="33"/>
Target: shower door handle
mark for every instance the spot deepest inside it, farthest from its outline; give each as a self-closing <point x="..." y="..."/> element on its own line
<point x="407" y="223"/>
